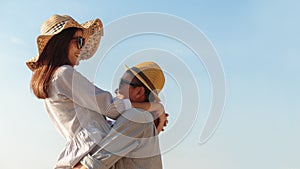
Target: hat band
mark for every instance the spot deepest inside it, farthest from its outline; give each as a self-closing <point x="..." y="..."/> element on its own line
<point x="56" y="27"/>
<point x="145" y="78"/>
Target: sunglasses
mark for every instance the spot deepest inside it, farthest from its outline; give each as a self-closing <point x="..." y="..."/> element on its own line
<point x="123" y="81"/>
<point x="80" y="41"/>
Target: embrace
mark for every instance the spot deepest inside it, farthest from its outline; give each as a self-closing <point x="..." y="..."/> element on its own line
<point x="80" y="110"/>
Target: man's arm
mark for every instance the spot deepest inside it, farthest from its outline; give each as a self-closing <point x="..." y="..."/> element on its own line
<point x="133" y="135"/>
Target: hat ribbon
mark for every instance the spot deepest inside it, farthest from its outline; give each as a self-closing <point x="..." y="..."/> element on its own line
<point x="149" y="83"/>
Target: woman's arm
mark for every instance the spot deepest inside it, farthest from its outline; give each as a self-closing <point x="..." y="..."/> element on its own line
<point x="160" y="117"/>
<point x="81" y="91"/>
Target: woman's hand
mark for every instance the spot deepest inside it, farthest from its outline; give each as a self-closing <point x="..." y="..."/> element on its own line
<point x="79" y="166"/>
<point x="161" y="122"/>
<point x="160" y="115"/>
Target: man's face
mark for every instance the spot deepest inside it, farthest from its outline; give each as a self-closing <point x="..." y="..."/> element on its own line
<point x="128" y="89"/>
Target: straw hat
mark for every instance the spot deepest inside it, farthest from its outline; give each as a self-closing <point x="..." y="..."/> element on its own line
<point x="151" y="75"/>
<point x="92" y="32"/>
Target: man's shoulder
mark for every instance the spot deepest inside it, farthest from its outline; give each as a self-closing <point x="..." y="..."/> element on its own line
<point x="138" y="115"/>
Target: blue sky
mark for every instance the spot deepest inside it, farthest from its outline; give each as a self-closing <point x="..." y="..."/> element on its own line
<point x="256" y="41"/>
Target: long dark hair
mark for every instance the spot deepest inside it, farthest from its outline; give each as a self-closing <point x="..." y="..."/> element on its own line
<point x="55" y="54"/>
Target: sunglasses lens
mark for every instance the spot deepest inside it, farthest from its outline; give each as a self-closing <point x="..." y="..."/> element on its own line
<point x="80" y="42"/>
<point x="122" y="81"/>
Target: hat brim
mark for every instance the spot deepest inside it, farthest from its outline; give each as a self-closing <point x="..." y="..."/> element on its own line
<point x="92" y="32"/>
<point x="144" y="82"/>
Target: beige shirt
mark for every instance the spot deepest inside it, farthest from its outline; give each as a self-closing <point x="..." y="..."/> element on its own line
<point x="76" y="108"/>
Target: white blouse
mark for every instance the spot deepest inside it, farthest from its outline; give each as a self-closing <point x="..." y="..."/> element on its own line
<point x="77" y="109"/>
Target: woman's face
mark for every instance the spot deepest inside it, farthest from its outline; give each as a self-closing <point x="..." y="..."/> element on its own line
<point x="74" y="51"/>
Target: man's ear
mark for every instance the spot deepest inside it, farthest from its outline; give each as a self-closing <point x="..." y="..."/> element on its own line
<point x="140" y="93"/>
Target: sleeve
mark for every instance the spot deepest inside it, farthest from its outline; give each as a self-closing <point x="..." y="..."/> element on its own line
<point x="72" y="84"/>
<point x="79" y="146"/>
<point x="133" y="136"/>
<point x="75" y="150"/>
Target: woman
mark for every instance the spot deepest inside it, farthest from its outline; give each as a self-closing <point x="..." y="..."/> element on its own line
<point x="75" y="106"/>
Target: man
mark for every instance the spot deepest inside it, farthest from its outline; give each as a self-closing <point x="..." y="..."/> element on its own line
<point x="141" y="89"/>
<point x="134" y="145"/>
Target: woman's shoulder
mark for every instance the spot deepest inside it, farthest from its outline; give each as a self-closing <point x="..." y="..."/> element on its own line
<point x="65" y="68"/>
<point x="63" y="71"/>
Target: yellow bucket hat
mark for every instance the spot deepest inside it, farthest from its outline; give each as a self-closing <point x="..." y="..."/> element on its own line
<point x="151" y="75"/>
<point x="92" y="32"/>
